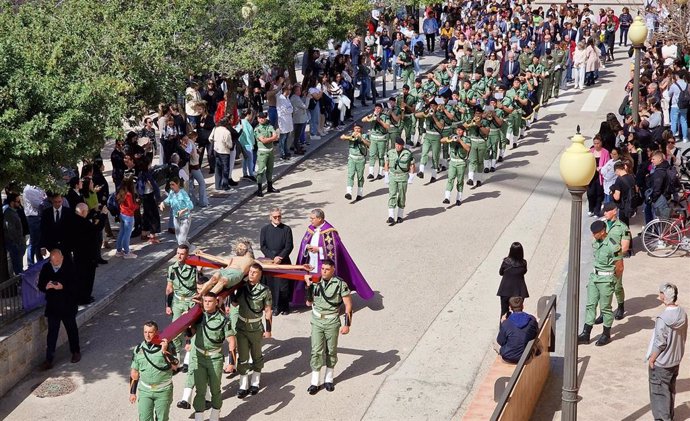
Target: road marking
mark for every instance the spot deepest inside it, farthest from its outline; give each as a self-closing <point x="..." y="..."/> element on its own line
<point x="594" y="100"/>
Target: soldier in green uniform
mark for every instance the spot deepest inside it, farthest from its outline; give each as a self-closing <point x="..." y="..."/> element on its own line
<point x="266" y="136"/>
<point x="494" y="139"/>
<point x="151" y="376"/>
<point x="395" y="115"/>
<point x="406" y="63"/>
<point x="179" y="291"/>
<point x="357" y="153"/>
<point x="479" y="58"/>
<point x="400" y="169"/>
<point x="459" y="148"/>
<point x="478" y="132"/>
<point x="548" y="64"/>
<point x="209" y="333"/>
<point x="407" y="102"/>
<point x="560" y="60"/>
<point x="621" y="233"/>
<point x="535" y="75"/>
<point x="503" y="107"/>
<point x="439" y="78"/>
<point x="510" y="105"/>
<point x="420" y="96"/>
<point x="608" y="265"/>
<point x="466" y="63"/>
<point x="525" y="57"/>
<point x="378" y="136"/>
<point x="325" y="298"/>
<point x="435" y="123"/>
<point x="253" y="301"/>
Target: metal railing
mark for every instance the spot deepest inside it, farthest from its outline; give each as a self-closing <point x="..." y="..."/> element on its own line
<point x="10" y="300"/>
<point x="546" y="308"/>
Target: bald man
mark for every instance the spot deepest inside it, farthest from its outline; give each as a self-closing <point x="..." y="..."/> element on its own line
<point x="88" y="225"/>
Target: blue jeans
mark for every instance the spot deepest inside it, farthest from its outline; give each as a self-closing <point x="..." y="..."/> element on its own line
<point x="283" y="144"/>
<point x="34" y="254"/>
<point x="16" y="252"/>
<point x="679" y="116"/>
<point x="660" y="208"/>
<point x="247" y="161"/>
<point x="365" y="88"/>
<point x="314" y="116"/>
<point x="126" y="227"/>
<point x="222" y="170"/>
<point x="201" y="199"/>
<point x="298" y="135"/>
<point x="273" y="116"/>
<point x="608" y="198"/>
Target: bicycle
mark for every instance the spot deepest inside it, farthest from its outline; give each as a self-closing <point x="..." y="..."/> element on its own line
<point x="663" y="237"/>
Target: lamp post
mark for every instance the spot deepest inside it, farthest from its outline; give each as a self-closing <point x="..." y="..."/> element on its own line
<point x="577" y="167"/>
<point x="638" y="35"/>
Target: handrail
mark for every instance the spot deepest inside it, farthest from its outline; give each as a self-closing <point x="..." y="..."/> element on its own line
<point x="547" y="310"/>
<point x="10" y="300"/>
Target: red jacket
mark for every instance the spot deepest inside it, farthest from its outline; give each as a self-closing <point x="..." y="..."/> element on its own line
<point x="128" y="206"/>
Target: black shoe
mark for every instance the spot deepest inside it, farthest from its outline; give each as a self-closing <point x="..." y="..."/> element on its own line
<point x="91" y="300"/>
<point x="184" y="405"/>
<point x="47" y="365"/>
<point x="446" y="201"/>
<point x="433" y="180"/>
<point x="102" y="261"/>
<point x="313" y="389"/>
<point x="76" y="357"/>
<point x="458" y="203"/>
<point x="185" y="368"/>
<point x="599" y="320"/>
<point x="399" y="220"/>
<point x="442" y="169"/>
<point x="276" y="312"/>
<point x="515" y="145"/>
<point x="242" y="393"/>
<point x="493" y="169"/>
<point x="329" y="387"/>
<point x="358" y="198"/>
<point x="270" y="189"/>
<point x="620" y="312"/>
<point x="348" y="196"/>
<point x="379" y="177"/>
<point x="232" y="182"/>
<point x="370" y="177"/>
<point x="500" y="159"/>
<point x="251" y="177"/>
<point x="284" y="312"/>
<point x="470" y="182"/>
<point x="486" y="170"/>
<point x="479" y="183"/>
<point x="420" y="174"/>
<point x="259" y="192"/>
<point x="208" y="405"/>
<point x="605" y="337"/>
<point x="583" y="338"/>
<point x="390" y="221"/>
<point x="254" y="390"/>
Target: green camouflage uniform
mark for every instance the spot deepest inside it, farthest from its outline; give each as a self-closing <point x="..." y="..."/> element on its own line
<point x="602" y="281"/>
<point x="155" y="389"/>
<point x="326" y="298"/>
<point x="265" y="157"/>
<point x="251" y="302"/>
<point x="211" y="332"/>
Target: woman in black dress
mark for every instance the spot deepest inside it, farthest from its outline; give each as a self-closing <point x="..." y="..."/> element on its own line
<point x="513" y="270"/>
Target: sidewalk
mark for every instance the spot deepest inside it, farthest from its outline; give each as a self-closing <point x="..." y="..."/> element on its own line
<point x="112" y="279"/>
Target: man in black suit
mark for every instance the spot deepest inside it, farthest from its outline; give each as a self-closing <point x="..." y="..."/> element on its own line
<point x="56" y="224"/>
<point x="276" y="244"/>
<point x="511" y="70"/>
<point x="56" y="280"/>
<point x="87" y="250"/>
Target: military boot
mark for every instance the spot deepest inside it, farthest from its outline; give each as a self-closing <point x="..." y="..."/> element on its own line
<point x="620" y="312"/>
<point x="583" y="338"/>
<point x="259" y="191"/>
<point x="605" y="337"/>
<point x="599" y="320"/>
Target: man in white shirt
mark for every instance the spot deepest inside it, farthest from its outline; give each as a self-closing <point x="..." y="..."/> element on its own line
<point x="224" y="148"/>
<point x="33" y="202"/>
<point x="192" y="97"/>
<point x="285" y="124"/>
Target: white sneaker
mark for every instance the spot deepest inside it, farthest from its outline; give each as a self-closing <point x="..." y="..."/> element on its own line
<point x="685" y="140"/>
<point x="590" y="213"/>
<point x="130" y="255"/>
<point x="315" y="137"/>
<point x="119" y="254"/>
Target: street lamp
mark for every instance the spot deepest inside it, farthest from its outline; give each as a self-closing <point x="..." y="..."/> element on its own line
<point x="638" y="35"/>
<point x="577" y="169"/>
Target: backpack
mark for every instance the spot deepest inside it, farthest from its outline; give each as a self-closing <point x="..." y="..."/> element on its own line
<point x="112" y="205"/>
<point x="418" y="48"/>
<point x="683" y="98"/>
<point x="673" y="184"/>
<point x="160" y="174"/>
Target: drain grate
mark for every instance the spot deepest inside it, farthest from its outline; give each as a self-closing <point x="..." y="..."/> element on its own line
<point x="54" y="387"/>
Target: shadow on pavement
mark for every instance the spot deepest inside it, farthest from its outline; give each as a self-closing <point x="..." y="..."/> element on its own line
<point x="637" y="305"/>
<point x="631" y="326"/>
<point x="521" y="154"/>
<point x="419" y="213"/>
<point x="514" y="164"/>
<point x="482" y="195"/>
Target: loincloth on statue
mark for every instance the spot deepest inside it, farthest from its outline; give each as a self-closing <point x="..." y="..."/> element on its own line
<point x="233" y="275"/>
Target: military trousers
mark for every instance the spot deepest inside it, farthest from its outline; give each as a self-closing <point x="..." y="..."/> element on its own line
<point x="408" y="127"/>
<point x="393" y="133"/>
<point x="492" y="144"/>
<point x="397" y="191"/>
<point x="249" y="344"/>
<point x="324" y="342"/>
<point x="619" y="291"/>
<point x="150" y="402"/>
<point x="377" y="151"/>
<point x="264" y="170"/>
<point x="355" y="168"/>
<point x="456" y="174"/>
<point x="408" y="76"/>
<point x="477" y="154"/>
<point x="180" y="307"/>
<point x="600" y="292"/>
<point x="208" y="371"/>
<point x="432" y="142"/>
